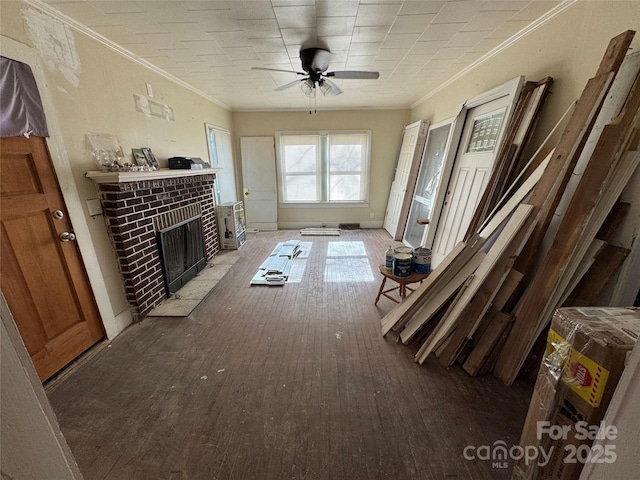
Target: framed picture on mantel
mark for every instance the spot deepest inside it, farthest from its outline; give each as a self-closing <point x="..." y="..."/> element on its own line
<point x="151" y="159"/>
<point x="139" y="157"/>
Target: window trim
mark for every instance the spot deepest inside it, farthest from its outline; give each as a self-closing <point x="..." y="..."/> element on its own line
<point x="324" y="176"/>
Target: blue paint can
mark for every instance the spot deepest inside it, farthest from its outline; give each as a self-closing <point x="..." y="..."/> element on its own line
<point x="402" y="264"/>
<point x="422" y="260"/>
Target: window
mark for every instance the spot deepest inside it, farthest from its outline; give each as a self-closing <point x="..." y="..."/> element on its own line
<point x="323" y="167"/>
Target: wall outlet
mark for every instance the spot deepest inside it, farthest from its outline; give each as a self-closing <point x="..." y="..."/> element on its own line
<point x="372" y="215"/>
<point x="149" y="89"/>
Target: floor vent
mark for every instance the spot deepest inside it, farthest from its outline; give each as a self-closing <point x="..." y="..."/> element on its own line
<point x="350" y="226"/>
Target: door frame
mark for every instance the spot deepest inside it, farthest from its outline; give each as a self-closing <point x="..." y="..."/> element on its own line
<point x="113" y="323"/>
<point x="226" y="164"/>
<point x="511" y="88"/>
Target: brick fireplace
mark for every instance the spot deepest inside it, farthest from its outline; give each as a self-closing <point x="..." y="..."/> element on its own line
<point x="136" y="205"/>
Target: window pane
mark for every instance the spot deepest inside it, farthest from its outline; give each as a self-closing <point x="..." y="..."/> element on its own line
<point x="300" y="158"/>
<point x="347" y="152"/>
<point x="346" y="158"/>
<point x="301" y="188"/>
<point x="432" y="162"/>
<point x="485" y="132"/>
<point x="344" y="188"/>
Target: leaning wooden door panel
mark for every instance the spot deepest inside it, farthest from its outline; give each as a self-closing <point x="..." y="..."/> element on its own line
<point x="43" y="277"/>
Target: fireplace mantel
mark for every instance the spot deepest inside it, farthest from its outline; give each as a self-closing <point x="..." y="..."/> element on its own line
<point x="122" y="177"/>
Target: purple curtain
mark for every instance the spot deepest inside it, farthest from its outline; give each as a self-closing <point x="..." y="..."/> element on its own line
<point x="21" y="111"/>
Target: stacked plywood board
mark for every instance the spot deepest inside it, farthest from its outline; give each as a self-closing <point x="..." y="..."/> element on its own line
<point x="495" y="293"/>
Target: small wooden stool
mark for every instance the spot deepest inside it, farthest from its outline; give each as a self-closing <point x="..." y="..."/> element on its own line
<point x="403" y="283"/>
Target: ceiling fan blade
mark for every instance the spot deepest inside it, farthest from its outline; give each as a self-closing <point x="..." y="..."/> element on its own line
<point x="278" y="70"/>
<point x="290" y="84"/>
<point x="354" y="75"/>
<point x="331" y="89"/>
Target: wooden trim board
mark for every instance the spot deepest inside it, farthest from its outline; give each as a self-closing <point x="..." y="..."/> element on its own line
<point x="503" y="241"/>
<point x="471" y="315"/>
<point x="445" y="291"/>
<point x="498" y="322"/>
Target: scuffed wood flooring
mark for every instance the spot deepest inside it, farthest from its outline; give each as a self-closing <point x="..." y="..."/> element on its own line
<point x="292" y="382"/>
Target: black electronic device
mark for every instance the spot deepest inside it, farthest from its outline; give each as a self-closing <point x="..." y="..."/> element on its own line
<point x="188" y="163"/>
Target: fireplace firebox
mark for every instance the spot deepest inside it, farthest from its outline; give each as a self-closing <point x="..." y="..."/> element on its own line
<point x="182" y="252"/>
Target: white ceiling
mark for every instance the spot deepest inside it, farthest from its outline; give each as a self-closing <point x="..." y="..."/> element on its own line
<point x="416" y="45"/>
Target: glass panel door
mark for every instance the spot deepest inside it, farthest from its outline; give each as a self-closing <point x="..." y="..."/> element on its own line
<point x="427" y="185"/>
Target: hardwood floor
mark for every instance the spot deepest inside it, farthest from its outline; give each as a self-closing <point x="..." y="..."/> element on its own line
<point x="292" y="382"/>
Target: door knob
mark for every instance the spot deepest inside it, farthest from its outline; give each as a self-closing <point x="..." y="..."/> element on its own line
<point x="67" y="236"/>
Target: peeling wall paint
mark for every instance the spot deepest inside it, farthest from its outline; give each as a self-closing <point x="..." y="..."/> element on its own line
<point x="55" y="42"/>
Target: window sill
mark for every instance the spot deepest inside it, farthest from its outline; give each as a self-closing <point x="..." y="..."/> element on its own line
<point x="326" y="205"/>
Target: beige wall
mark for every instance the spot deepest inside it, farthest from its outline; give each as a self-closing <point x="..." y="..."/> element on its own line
<point x="386" y="136"/>
<point x="568" y="48"/>
<point x="91" y="90"/>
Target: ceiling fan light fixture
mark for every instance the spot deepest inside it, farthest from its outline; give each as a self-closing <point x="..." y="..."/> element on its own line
<point x="308" y="87"/>
<point x="325" y="88"/>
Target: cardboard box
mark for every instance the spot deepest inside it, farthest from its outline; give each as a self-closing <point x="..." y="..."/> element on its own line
<point x="584" y="359"/>
<point x="231" y="225"/>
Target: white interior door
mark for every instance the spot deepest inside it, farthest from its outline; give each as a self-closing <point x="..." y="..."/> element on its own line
<point x="481" y="134"/>
<point x="406" y="172"/>
<point x="259" y="182"/>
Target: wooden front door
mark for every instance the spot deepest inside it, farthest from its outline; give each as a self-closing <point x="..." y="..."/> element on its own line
<point x="42" y="275"/>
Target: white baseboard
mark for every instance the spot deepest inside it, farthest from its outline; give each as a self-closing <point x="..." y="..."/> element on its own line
<point x="299" y="225"/>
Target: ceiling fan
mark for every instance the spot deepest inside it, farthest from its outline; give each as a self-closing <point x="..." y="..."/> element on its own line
<point x="315" y="62"/>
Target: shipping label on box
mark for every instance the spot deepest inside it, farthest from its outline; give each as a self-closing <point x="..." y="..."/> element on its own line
<point x="584" y="376"/>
